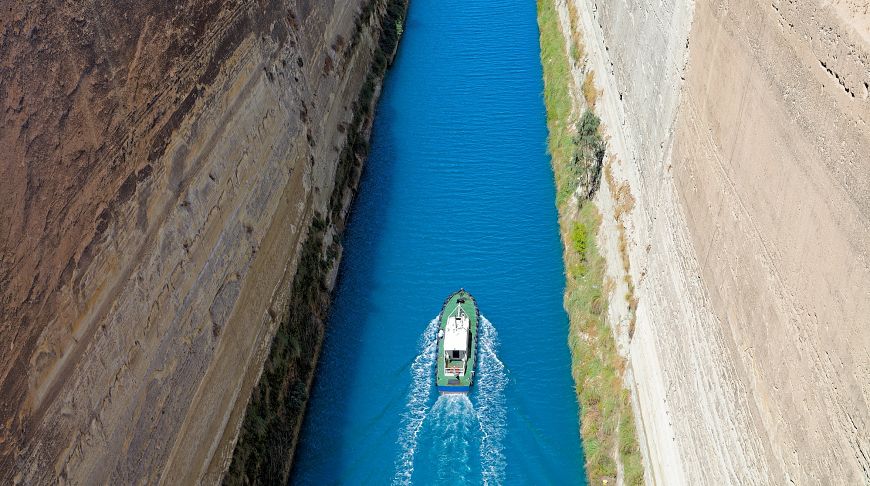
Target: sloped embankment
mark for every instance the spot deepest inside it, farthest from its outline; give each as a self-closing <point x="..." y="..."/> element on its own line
<point x="270" y="430"/>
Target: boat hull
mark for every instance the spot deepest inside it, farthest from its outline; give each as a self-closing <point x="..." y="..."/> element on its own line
<point x="447" y="382"/>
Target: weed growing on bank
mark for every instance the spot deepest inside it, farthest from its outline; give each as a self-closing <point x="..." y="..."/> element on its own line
<point x="590" y="93"/>
<point x="607" y="422"/>
<point x="557" y="97"/>
<point x="578" y="49"/>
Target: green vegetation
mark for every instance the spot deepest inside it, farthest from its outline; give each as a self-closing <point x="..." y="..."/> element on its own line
<point x="278" y="400"/>
<point x="557" y="97"/>
<point x="607" y="423"/>
<point x="267" y="437"/>
<point x="580" y="239"/>
<point x="588" y="155"/>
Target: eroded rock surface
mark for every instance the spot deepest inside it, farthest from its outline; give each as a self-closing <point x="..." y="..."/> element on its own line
<point x="161" y="164"/>
<point x="741" y="127"/>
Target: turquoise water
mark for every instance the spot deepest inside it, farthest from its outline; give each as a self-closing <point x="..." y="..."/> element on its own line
<point x="457" y="192"/>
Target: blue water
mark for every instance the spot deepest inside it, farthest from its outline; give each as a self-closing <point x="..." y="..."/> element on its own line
<point x="457" y="192"/>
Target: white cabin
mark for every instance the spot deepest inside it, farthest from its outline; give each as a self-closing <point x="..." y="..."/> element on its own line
<point x="457" y="338"/>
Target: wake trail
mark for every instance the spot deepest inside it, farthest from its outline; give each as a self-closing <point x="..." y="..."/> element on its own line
<point x="453" y="419"/>
<point x="416" y="409"/>
<point x="491" y="405"/>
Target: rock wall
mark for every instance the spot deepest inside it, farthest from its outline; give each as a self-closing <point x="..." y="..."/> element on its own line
<point x="161" y="165"/>
<point x="741" y="127"/>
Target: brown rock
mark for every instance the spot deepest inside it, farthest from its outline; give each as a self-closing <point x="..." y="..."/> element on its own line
<point x="161" y="162"/>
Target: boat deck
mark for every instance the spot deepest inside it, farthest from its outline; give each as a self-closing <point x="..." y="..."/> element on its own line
<point x="445" y="381"/>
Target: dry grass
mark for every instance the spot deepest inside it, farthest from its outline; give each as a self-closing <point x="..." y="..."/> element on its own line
<point x="590" y="92"/>
<point x="624" y="201"/>
<point x="623" y="249"/>
<point x="578" y="48"/>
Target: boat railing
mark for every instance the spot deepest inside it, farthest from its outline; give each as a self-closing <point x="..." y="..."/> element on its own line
<point x="453" y="370"/>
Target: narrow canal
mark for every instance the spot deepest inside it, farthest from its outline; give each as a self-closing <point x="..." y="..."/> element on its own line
<point x="457" y="192"/>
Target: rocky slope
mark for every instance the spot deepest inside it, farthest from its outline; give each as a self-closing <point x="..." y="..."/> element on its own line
<point x="162" y="163"/>
<point x="741" y="129"/>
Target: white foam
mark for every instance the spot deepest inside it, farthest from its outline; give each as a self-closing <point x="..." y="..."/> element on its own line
<point x="491" y="405"/>
<point x="453" y="416"/>
<point x="417" y="407"/>
<point x="452" y="422"/>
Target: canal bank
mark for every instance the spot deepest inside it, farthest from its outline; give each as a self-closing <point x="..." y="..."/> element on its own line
<point x="269" y="433"/>
<point x="457" y="192"/>
<point x="578" y="147"/>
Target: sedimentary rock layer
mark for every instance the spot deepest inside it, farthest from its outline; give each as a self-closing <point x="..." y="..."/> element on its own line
<point x="741" y="127"/>
<point x="162" y="163"/>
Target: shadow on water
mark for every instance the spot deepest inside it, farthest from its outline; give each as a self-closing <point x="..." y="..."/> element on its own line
<point x="343" y="330"/>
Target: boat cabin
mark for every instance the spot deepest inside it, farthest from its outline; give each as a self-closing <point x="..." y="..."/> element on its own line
<point x="457" y="342"/>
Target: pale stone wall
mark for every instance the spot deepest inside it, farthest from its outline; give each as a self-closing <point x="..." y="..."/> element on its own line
<point x="741" y="129"/>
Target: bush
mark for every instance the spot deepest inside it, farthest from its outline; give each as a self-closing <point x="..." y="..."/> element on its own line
<point x="588" y="158"/>
<point x="579" y="238"/>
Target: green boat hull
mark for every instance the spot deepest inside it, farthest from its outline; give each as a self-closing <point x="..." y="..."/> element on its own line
<point x="448" y="382"/>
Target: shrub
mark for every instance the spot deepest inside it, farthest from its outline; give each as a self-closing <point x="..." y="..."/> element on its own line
<point x="589" y="149"/>
<point x="579" y="238"/>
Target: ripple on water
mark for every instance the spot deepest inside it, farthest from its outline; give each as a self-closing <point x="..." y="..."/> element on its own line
<point x="457" y="192"/>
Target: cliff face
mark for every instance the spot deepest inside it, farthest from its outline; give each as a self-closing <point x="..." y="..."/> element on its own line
<point x="162" y="163"/>
<point x="741" y="129"/>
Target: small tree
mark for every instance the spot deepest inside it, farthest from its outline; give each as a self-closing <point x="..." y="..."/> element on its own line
<point x="589" y="150"/>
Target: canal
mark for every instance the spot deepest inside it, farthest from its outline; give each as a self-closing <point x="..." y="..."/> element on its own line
<point x="457" y="192"/>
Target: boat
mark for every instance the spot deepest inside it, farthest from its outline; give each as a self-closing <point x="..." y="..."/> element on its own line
<point x="457" y="343"/>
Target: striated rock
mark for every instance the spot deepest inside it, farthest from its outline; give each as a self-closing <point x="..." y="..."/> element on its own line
<point x="741" y="128"/>
<point x="162" y="163"/>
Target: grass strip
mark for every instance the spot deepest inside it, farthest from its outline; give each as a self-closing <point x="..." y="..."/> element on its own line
<point x="607" y="423"/>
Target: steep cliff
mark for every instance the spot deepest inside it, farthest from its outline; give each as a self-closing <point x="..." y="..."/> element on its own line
<point x="741" y="130"/>
<point x="162" y="164"/>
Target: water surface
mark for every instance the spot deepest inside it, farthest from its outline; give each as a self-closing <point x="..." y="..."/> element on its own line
<point x="457" y="192"/>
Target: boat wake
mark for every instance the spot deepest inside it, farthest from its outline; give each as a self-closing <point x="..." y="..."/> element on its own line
<point x="491" y="405"/>
<point x="419" y="397"/>
<point x="453" y="421"/>
<point x="450" y="426"/>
